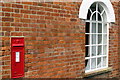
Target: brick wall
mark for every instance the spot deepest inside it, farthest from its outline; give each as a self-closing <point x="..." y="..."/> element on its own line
<point x="0" y="41"/>
<point x="113" y="44"/>
<point x="119" y="37"/>
<point x="54" y="42"/>
<point x="54" y="39"/>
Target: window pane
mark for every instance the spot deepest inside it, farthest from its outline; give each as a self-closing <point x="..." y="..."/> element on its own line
<point x="99" y="50"/>
<point x="93" y="51"/>
<point x="105" y="28"/>
<point x="93" y="7"/>
<point x="105" y="39"/>
<point x="87" y="64"/>
<point x="99" y="39"/>
<point x="87" y="36"/>
<point x="98" y="62"/>
<point x="105" y="50"/>
<point x="104" y="17"/>
<point x="87" y="54"/>
<point x="93" y="38"/>
<point x="93" y="27"/>
<point x="100" y="8"/>
<point x="87" y="28"/>
<point x="94" y="17"/>
<point x="99" y="17"/>
<point x="93" y="63"/>
<point x="104" y="61"/>
<point x="88" y="15"/>
<point x="99" y="27"/>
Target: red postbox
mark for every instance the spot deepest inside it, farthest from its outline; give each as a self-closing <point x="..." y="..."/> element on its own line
<point x="17" y="57"/>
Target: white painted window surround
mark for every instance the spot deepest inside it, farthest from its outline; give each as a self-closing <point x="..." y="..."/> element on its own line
<point x="97" y="14"/>
<point x="105" y="3"/>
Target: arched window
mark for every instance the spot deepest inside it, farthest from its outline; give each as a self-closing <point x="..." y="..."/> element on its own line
<point x="97" y="14"/>
<point x="96" y="45"/>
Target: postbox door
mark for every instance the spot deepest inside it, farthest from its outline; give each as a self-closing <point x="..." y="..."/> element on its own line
<point x="17" y="62"/>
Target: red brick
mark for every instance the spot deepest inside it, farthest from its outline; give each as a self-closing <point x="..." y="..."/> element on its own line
<point x="26" y="11"/>
<point x="6" y="4"/>
<point x="16" y="15"/>
<point x="7" y="19"/>
<point x="25" y="20"/>
<point x="17" y="6"/>
<point x="6" y="67"/>
<point x="6" y="24"/>
<point x="6" y="58"/>
<point x="28" y="3"/>
<point x="8" y="28"/>
<point x="16" y="33"/>
<point x="6" y="76"/>
<point x="7" y="14"/>
<point x="7" y="9"/>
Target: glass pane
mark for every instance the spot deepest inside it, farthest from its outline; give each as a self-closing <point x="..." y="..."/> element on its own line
<point x="99" y="27"/>
<point x="93" y="63"/>
<point x="105" y="39"/>
<point x="99" y="17"/>
<point x="87" y="28"/>
<point x="88" y="15"/>
<point x="93" y="50"/>
<point x="87" y="64"/>
<point x="94" y="17"/>
<point x="87" y="36"/>
<point x="104" y="61"/>
<point x="99" y="39"/>
<point x="104" y="50"/>
<point x="93" y="7"/>
<point x="98" y="62"/>
<point x="93" y="27"/>
<point x="105" y="28"/>
<point x="100" y="8"/>
<point x="87" y="54"/>
<point x="99" y="50"/>
<point x="93" y="38"/>
<point x="104" y="17"/>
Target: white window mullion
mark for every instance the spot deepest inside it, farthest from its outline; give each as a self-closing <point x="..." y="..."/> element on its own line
<point x="107" y="43"/>
<point x="102" y="12"/>
<point x="96" y="31"/>
<point x="96" y="11"/>
<point x="102" y="45"/>
<point x="95" y="56"/>
<point x="90" y="10"/>
<point x="90" y="42"/>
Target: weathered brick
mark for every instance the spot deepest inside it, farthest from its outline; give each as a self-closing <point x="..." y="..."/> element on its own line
<point x="16" y="33"/>
<point x="17" y="6"/>
<point x="7" y="9"/>
<point x="7" y="19"/>
<point x="8" y="29"/>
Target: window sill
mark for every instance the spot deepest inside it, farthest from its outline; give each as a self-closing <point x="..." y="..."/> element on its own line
<point x="93" y="73"/>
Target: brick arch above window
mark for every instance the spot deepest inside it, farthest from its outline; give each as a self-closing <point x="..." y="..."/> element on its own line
<point x="105" y="3"/>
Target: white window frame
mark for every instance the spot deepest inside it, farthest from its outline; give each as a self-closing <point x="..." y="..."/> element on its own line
<point x="105" y="3"/>
<point x="96" y="45"/>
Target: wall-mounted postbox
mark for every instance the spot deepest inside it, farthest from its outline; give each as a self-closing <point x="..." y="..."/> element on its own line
<point x="17" y="57"/>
